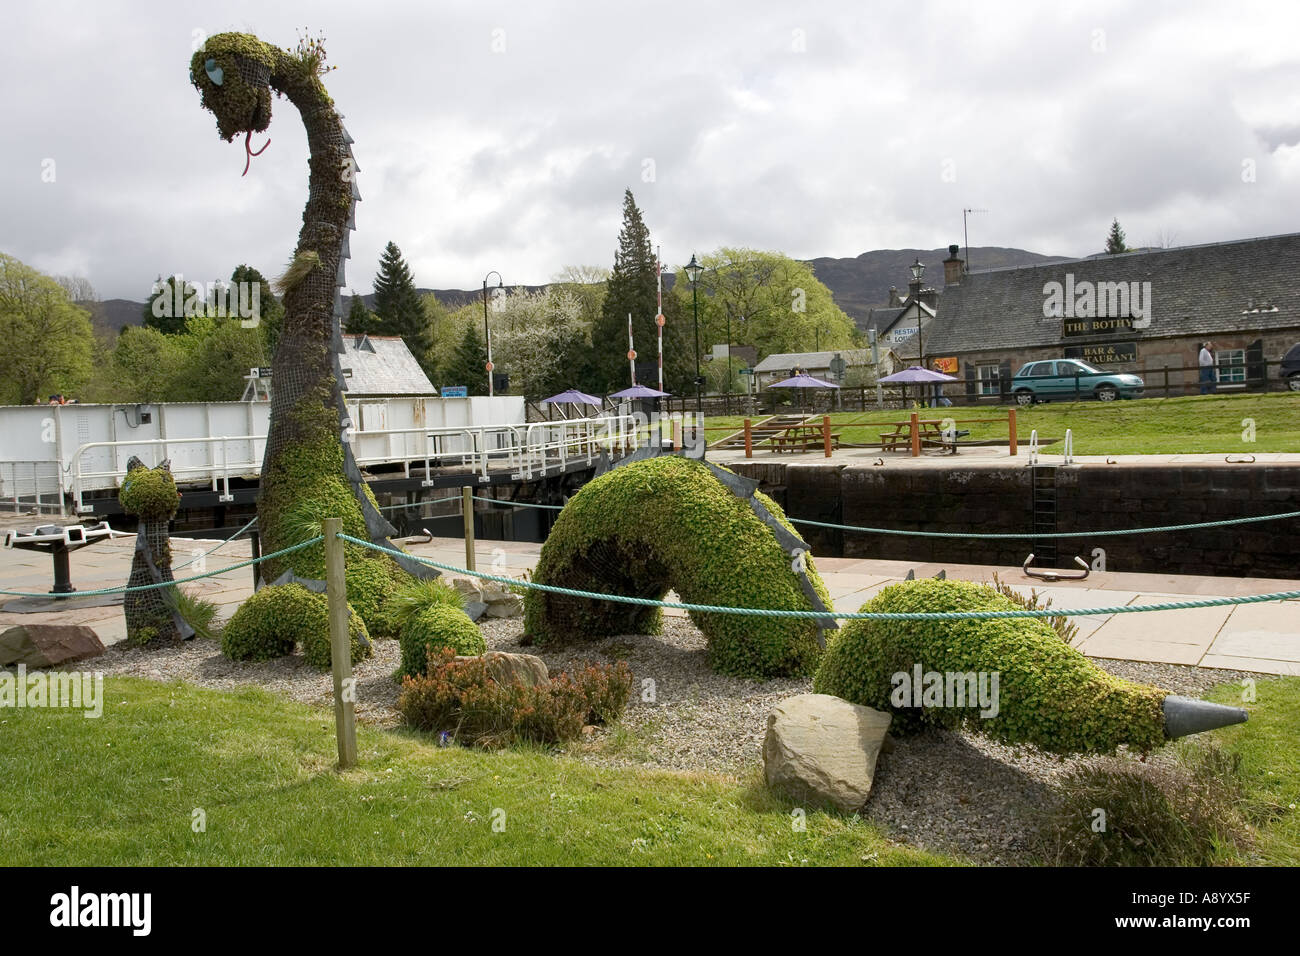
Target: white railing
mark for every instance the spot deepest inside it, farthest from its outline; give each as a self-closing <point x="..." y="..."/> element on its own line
<point x="1069" y="447"/>
<point x="27" y="485"/>
<point x="523" y="450"/>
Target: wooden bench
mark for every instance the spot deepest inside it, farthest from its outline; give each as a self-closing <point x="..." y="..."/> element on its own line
<point x="929" y="433"/>
<point x="803" y="438"/>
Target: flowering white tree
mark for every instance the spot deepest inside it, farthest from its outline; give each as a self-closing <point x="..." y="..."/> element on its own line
<point x="538" y="338"/>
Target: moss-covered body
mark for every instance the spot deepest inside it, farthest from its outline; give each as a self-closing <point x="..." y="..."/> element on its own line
<point x="150" y="494"/>
<point x="281" y="616"/>
<point x="1048" y="694"/>
<point x="437" y="626"/>
<point x="668" y="524"/>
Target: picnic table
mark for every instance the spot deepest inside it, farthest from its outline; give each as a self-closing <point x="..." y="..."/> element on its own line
<point x="802" y="438"/>
<point x="930" y="434"/>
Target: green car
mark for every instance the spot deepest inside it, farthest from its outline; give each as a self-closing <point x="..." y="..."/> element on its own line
<point x="1069" y="379"/>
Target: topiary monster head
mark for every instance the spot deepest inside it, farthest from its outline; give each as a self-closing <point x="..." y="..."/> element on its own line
<point x="149" y="493"/>
<point x="233" y="73"/>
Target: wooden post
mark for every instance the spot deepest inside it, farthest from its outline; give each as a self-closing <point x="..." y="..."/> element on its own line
<point x="1011" y="426"/>
<point x="467" y="512"/>
<point x="677" y="433"/>
<point x="916" y="437"/>
<point x="336" y="588"/>
<point x="749" y="438"/>
<point x="826" y="434"/>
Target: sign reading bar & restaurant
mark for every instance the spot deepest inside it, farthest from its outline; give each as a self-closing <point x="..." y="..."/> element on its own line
<point x="1105" y="353"/>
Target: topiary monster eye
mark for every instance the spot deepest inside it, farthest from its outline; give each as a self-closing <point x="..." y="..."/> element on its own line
<point x="215" y="73"/>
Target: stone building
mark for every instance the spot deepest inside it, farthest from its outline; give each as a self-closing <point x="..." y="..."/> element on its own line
<point x="1144" y="312"/>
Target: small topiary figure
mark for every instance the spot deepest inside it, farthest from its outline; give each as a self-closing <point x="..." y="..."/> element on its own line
<point x="669" y="523"/>
<point x="437" y="626"/>
<point x="1047" y="693"/>
<point x="150" y="494"/>
<point x="278" y="617"/>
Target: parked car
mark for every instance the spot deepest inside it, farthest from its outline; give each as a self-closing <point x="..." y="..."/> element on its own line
<point x="1071" y="378"/>
<point x="1291" y="368"/>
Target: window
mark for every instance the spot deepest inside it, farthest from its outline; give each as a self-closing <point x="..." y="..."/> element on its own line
<point x="1232" y="365"/>
<point x="987" y="375"/>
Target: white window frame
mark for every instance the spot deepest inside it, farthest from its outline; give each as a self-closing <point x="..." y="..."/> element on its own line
<point x="1231" y="365"/>
<point x="988" y="385"/>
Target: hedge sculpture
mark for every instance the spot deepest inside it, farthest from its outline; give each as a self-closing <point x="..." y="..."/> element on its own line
<point x="306" y="458"/>
<point x="281" y="616"/>
<point x="150" y="494"/>
<point x="929" y="674"/>
<point x="672" y="523"/>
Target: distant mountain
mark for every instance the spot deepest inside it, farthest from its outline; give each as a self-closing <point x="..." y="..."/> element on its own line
<point x="856" y="284"/>
<point x="863" y="282"/>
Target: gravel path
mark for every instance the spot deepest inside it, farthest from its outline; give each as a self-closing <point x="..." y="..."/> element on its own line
<point x="950" y="791"/>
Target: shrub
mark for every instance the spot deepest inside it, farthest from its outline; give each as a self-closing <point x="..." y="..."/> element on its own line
<point x="460" y="698"/>
<point x="668" y="523"/>
<point x="277" y="617"/>
<point x="373" y="582"/>
<point x="437" y="626"/>
<point x="1049" y="694"/>
<point x="195" y="611"/>
<point x="149" y="493"/>
<point x="1155" y="814"/>
<point x="607" y="689"/>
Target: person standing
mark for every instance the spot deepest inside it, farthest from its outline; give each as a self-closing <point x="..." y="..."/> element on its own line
<point x="1206" y="362"/>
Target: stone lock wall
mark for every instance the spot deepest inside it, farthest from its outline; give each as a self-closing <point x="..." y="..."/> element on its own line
<point x="998" y="498"/>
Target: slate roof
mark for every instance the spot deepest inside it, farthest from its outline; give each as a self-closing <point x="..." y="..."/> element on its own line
<point x="1195" y="290"/>
<point x="780" y="361"/>
<point x="382" y="365"/>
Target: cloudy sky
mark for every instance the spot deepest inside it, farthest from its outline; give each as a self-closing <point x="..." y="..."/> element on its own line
<point x="501" y="135"/>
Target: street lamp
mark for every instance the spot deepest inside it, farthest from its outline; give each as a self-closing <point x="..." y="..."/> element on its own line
<point x="918" y="270"/>
<point x="487" y="332"/>
<point x="693" y="272"/>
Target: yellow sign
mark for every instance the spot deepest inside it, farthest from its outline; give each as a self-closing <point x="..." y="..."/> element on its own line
<point x="946" y="365"/>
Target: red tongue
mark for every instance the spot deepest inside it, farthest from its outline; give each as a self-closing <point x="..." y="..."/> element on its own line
<point x="249" y="151"/>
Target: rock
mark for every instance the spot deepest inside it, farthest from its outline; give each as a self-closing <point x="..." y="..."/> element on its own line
<point x="468" y="587"/>
<point x="48" y="645"/>
<point x="506" y="667"/>
<point x="823" y="749"/>
<point x="509" y="605"/>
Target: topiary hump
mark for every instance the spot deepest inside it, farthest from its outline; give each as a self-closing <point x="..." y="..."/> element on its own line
<point x="663" y="524"/>
<point x="279" y="616"/>
<point x="1047" y="693"/>
<point x="435" y="627"/>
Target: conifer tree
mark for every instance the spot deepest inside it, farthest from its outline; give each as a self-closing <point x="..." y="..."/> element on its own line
<point x="1115" y="241"/>
<point x="468" y="364"/>
<point x="397" y="305"/>
<point x="360" y="320"/>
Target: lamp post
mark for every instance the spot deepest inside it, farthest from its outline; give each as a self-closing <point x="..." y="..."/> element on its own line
<point x="693" y="272"/>
<point x="918" y="270"/>
<point x="487" y="332"/>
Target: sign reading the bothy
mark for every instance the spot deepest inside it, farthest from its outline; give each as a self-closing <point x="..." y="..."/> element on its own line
<point x="1096" y="325"/>
<point x="1106" y="353"/>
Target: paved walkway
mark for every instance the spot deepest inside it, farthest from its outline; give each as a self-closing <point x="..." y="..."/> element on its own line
<point x="1254" y="637"/>
<point x="985" y="456"/>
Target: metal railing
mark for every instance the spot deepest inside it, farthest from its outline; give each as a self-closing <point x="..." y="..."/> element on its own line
<point x="522" y="449"/>
<point x="31" y="485"/>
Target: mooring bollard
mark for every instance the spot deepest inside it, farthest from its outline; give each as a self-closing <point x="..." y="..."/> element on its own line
<point x="749" y="438"/>
<point x="467" y="510"/>
<point x="336" y="589"/>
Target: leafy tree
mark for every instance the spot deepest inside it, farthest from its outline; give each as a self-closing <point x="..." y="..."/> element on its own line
<point x="360" y="320"/>
<point x="538" y="339"/>
<point x="169" y="316"/>
<point x="270" y="309"/>
<point x="1115" y="242"/>
<point x="146" y="365"/>
<point x="774" y="303"/>
<point x="631" y="289"/>
<point x="467" y="365"/>
<point x="448" y="330"/>
<point x="48" y="341"/>
<point x="216" y="355"/>
<point x="398" y="308"/>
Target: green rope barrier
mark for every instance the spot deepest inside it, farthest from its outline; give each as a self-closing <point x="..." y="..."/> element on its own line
<point x="167" y="584"/>
<point x="843" y="615"/>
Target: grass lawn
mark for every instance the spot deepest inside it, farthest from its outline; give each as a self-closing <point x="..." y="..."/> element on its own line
<point x="1270" y="763"/>
<point x="123" y="790"/>
<point x="1200" y="423"/>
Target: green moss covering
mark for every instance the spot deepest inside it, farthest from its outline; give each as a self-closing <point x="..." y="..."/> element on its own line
<point x="149" y="493"/>
<point x="668" y="523"/>
<point x="239" y="106"/>
<point x="437" y="626"/>
<point x="278" y="617"/>
<point x="1049" y="694"/>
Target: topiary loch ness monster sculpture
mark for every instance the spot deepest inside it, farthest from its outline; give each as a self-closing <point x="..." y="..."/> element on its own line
<point x="934" y="673"/>
<point x="308" y="472"/>
<point x="673" y="523"/>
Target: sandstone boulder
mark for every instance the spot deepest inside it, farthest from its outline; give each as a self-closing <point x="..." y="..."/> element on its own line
<point x="48" y="645"/>
<point x="505" y="667"/>
<point x="823" y="750"/>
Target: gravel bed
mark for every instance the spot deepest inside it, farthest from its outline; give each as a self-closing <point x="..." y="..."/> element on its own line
<point x="949" y="791"/>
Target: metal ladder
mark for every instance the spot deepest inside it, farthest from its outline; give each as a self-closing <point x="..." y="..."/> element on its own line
<point x="1044" y="504"/>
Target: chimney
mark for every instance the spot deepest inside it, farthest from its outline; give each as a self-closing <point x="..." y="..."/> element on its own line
<point x="953" y="267"/>
<point x="894" y="300"/>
